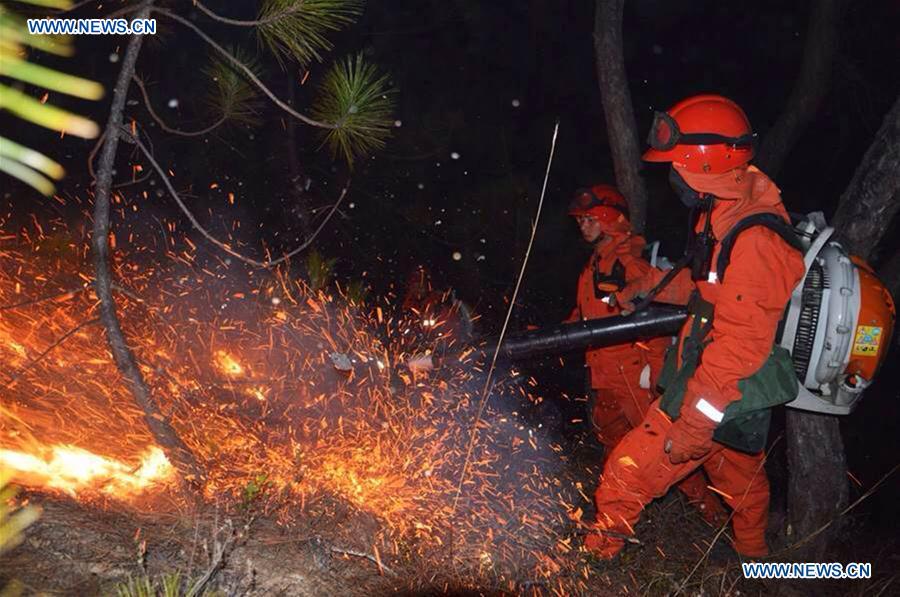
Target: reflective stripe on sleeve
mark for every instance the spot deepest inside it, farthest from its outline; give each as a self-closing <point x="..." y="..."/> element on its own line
<point x="710" y="411"/>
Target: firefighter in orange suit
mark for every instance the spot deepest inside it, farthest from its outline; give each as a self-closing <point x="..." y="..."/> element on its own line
<point x="704" y="417"/>
<point x="622" y="377"/>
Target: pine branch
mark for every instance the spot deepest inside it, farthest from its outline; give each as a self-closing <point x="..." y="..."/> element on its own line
<point x="243" y="68"/>
<point x="208" y="236"/>
<point x="296" y="28"/>
<point x="162" y="123"/>
<point x="232" y="95"/>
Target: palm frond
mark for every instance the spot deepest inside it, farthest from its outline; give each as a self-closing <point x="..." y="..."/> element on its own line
<point x="14" y="34"/>
<point x="296" y="29"/>
<point x="26" y="107"/>
<point x="232" y="96"/>
<point x="12" y="522"/>
<point x="358" y="100"/>
<point x="29" y="166"/>
<point x="60" y="4"/>
<point x="17" y="68"/>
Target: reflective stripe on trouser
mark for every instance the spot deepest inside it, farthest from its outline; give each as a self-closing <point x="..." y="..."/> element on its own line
<point x="638" y="470"/>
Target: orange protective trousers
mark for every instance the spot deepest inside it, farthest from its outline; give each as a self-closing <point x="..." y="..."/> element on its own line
<point x="637" y="471"/>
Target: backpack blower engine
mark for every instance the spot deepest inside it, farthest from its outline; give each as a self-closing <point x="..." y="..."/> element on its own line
<point x="837" y="325"/>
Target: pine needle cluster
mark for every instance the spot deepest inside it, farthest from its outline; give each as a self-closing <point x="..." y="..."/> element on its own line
<point x="232" y="96"/>
<point x="359" y="101"/>
<point x="296" y="29"/>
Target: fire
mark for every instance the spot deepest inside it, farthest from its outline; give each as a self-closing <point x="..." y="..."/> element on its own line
<point x="228" y="364"/>
<point x="74" y="470"/>
<point x="251" y="392"/>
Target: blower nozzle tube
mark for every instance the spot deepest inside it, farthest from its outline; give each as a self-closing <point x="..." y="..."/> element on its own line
<point x="655" y="321"/>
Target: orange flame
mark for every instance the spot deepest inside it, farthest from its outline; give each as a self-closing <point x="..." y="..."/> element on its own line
<point x="72" y="470"/>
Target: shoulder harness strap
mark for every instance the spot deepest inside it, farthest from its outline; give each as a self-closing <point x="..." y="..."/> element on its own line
<point x="772" y="221"/>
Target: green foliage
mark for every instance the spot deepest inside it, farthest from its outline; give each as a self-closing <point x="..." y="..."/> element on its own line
<point x="356" y="291"/>
<point x="296" y="28"/>
<point x="252" y="490"/>
<point x="12" y="523"/>
<point x="232" y="95"/>
<point x="28" y="165"/>
<point x="167" y="585"/>
<point x="356" y="98"/>
<point x="320" y="269"/>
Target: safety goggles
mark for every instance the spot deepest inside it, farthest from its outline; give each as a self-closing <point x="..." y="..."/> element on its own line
<point x="665" y="134"/>
<point x="585" y="200"/>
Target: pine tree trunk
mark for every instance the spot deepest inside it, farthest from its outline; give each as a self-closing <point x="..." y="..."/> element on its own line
<point x="620" y="124"/>
<point x="809" y="89"/>
<point x="818" y="487"/>
<point x="159" y="426"/>
<point x="872" y="199"/>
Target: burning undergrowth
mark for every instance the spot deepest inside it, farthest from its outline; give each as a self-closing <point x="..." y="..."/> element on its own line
<point x="241" y="365"/>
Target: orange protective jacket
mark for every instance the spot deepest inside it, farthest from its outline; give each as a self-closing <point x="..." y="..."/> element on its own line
<point x="749" y="303"/>
<point x="617" y="368"/>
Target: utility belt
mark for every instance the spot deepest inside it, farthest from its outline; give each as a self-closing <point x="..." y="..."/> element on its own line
<point x="745" y="424"/>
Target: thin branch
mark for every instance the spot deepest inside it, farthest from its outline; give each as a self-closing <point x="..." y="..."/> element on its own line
<point x="128" y="9"/>
<point x="220" y="553"/>
<point x="140" y="83"/>
<point x="484" y="392"/>
<point x="206" y="234"/>
<point x="244" y="69"/>
<point x="93" y="154"/>
<point x="41" y="299"/>
<point x="269" y="19"/>
<point x="72" y="291"/>
<point x="362" y="554"/>
<point x="73" y="8"/>
<point x="14" y="377"/>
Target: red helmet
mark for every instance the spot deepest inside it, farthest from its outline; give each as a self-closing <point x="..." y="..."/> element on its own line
<point x="702" y="133"/>
<point x="601" y="201"/>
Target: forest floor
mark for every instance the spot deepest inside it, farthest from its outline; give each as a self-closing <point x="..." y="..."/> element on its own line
<point x="97" y="549"/>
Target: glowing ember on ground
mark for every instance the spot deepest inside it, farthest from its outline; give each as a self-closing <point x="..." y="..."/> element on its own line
<point x="227" y="363"/>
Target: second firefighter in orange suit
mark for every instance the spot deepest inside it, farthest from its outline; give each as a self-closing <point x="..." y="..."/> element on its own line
<point x="622" y="377"/>
<point x="709" y="142"/>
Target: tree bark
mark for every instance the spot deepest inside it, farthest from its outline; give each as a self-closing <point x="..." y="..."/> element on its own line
<point x="818" y="487"/>
<point x="159" y="426"/>
<point x="872" y="199"/>
<point x="620" y="123"/>
<point x="809" y="89"/>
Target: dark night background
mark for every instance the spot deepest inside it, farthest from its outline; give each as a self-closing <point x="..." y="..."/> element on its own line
<point x="487" y="81"/>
